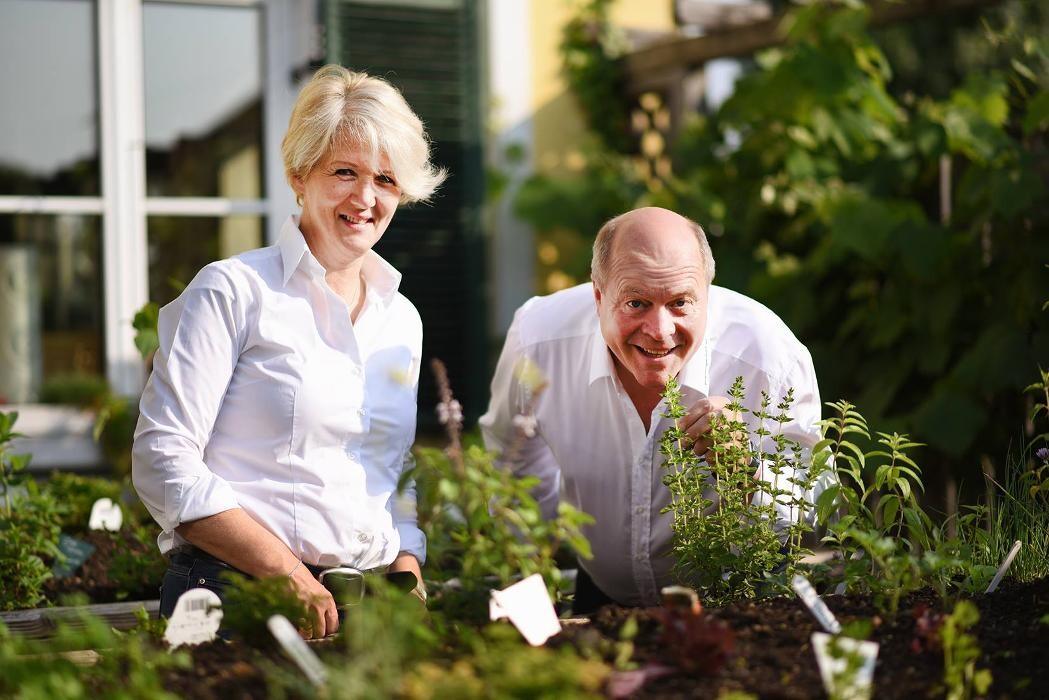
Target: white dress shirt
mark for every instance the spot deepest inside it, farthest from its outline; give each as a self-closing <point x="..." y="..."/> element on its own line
<point x="590" y="446"/>
<point x="265" y="396"/>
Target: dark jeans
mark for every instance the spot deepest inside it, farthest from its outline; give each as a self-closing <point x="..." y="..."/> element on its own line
<point x="588" y="597"/>
<point x="189" y="567"/>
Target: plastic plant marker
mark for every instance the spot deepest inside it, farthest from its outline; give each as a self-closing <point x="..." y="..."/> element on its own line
<point x="1006" y="563"/>
<point x="815" y="604"/>
<point x="76" y="551"/>
<point x="838" y="680"/>
<point x="529" y="608"/>
<point x="293" y="645"/>
<point x="196" y="619"/>
<point x="105" y="515"/>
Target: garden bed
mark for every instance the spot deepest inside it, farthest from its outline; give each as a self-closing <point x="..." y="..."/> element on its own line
<point x="773" y="656"/>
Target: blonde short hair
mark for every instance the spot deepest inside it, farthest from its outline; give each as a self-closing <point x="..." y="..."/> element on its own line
<point x="606" y="237"/>
<point x="338" y="106"/>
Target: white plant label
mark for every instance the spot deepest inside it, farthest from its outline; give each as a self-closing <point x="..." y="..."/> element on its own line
<point x="288" y="638"/>
<point x="815" y="604"/>
<point x="1004" y="567"/>
<point x="105" y="515"/>
<point x="529" y="608"/>
<point x="857" y="687"/>
<point x="197" y="616"/>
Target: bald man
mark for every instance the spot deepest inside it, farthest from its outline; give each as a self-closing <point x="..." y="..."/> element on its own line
<point x="606" y="350"/>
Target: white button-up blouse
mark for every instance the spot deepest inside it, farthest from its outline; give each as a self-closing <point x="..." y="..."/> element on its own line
<point x="265" y="396"/>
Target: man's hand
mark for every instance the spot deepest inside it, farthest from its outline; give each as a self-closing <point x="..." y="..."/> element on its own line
<point x="324" y="616"/>
<point x="698" y="422"/>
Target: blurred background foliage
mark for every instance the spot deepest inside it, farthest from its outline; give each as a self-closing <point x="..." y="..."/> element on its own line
<point x="883" y="191"/>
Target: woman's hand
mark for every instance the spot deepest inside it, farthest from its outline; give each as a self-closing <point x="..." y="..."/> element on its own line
<point x="323" y="614"/>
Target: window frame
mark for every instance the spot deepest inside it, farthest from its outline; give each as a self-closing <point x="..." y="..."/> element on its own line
<point x="285" y="38"/>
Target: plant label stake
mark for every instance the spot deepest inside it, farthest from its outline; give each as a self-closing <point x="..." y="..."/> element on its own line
<point x="815" y="604"/>
<point x="289" y="640"/>
<point x="197" y="616"/>
<point x="528" y="606"/>
<point x="846" y="665"/>
<point x="105" y="515"/>
<point x="76" y="552"/>
<point x="1013" y="551"/>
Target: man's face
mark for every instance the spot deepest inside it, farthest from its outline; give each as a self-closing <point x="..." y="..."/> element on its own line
<point x="652" y="303"/>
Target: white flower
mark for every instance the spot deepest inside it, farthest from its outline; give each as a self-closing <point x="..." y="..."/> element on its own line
<point x="449" y="411"/>
<point x="526" y="424"/>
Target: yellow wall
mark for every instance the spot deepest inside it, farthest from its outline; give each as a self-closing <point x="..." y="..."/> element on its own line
<point x="558" y="127"/>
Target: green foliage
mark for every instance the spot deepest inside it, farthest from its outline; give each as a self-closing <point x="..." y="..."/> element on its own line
<point x="250" y="602"/>
<point x="888" y="544"/>
<point x="960" y="653"/>
<point x="77" y="493"/>
<point x="820" y="184"/>
<point x="725" y="523"/>
<point x="1019" y="511"/>
<point x="145" y="324"/>
<point x="482" y="524"/>
<point x="128" y="667"/>
<point x="29" y="527"/>
<point x="84" y="390"/>
<point x="590" y="47"/>
<point x="499" y="665"/>
<point x="140" y="566"/>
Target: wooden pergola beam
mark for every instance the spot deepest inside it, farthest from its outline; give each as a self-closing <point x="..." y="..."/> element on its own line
<point x="647" y="66"/>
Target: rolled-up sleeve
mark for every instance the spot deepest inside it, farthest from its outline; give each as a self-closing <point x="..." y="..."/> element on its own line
<point x="405" y="517"/>
<point x="199" y="348"/>
<point x="511" y="389"/>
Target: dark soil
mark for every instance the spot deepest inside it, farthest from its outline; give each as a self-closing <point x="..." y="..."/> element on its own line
<point x="94" y="577"/>
<point x="773" y="655"/>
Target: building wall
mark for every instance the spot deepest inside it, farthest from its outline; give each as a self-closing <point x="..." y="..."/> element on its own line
<point x="558" y="125"/>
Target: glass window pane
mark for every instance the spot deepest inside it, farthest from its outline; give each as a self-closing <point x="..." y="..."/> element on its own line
<point x="50" y="301"/>
<point x="49" y="118"/>
<point x="203" y="73"/>
<point x="180" y="245"/>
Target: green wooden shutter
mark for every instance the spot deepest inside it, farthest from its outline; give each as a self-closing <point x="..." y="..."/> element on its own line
<point x="429" y="49"/>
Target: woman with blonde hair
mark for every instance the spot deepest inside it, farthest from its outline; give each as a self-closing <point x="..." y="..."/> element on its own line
<point x="279" y="416"/>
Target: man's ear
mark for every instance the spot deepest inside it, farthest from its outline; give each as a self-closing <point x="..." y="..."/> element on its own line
<point x="597" y="294"/>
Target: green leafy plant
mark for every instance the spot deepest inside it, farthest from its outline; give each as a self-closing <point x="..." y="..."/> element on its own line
<point x="77" y="494"/>
<point x="29" y="527"/>
<point x="137" y="565"/>
<point x="491" y="525"/>
<point x="726" y="535"/>
<point x="128" y="666"/>
<point x="499" y="665"/>
<point x="248" y="604"/>
<point x="960" y="654"/>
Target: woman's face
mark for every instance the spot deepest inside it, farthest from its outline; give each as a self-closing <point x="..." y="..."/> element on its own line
<point x="346" y="205"/>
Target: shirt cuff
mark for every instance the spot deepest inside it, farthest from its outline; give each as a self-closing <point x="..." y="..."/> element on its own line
<point x="413" y="541"/>
<point x="196" y="497"/>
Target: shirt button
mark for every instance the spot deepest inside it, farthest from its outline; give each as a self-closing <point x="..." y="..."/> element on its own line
<point x="361" y="412"/>
<point x="355" y="457"/>
<point x="363" y="538"/>
<point x="355" y="371"/>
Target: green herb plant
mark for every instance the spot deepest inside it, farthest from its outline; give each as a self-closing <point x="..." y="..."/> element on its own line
<point x="248" y="604"/>
<point x="960" y="653"/>
<point x="130" y="665"/>
<point x="726" y="536"/>
<point x="871" y="510"/>
<point x="29" y="527"/>
<point x="489" y="519"/>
